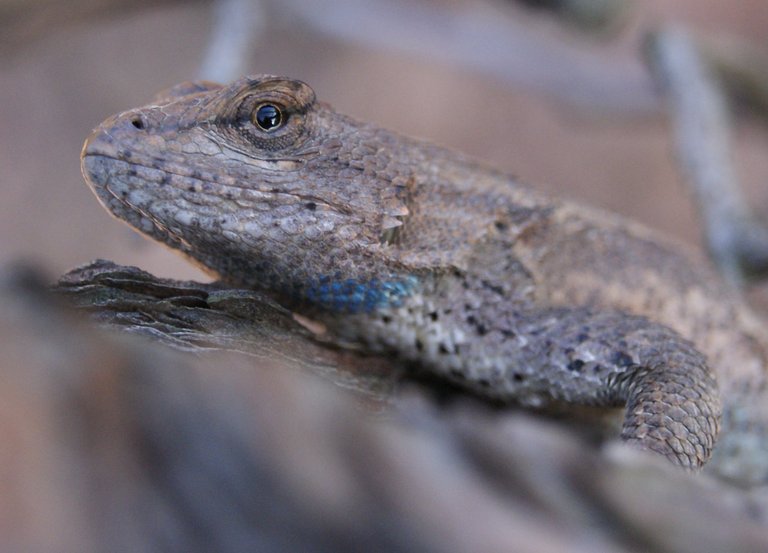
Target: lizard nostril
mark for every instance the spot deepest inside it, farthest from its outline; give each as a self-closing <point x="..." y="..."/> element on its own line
<point x="138" y="122"/>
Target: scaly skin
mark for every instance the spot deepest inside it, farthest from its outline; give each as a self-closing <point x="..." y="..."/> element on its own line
<point x="399" y="246"/>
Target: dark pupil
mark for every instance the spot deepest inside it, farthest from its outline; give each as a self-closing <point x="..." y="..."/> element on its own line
<point x="268" y="117"/>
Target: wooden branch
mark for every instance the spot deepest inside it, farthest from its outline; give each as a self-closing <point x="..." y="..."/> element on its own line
<point x="118" y="443"/>
<point x="196" y="317"/>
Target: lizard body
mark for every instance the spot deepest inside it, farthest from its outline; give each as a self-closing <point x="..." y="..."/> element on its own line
<point x="399" y="246"/>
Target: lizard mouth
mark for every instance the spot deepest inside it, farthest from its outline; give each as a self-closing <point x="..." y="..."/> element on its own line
<point x="107" y="179"/>
<point x="98" y="168"/>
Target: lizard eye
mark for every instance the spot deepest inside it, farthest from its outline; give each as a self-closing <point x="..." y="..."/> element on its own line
<point x="268" y="117"/>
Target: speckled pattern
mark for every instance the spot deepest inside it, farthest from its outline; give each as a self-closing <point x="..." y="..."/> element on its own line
<point x="402" y="247"/>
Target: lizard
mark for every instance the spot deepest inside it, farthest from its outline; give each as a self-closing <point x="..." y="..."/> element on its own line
<point x="400" y="247"/>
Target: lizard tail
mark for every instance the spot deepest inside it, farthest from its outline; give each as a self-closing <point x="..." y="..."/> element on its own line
<point x="673" y="406"/>
<point x="614" y="358"/>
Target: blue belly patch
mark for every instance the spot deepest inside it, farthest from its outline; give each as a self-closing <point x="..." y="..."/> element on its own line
<point x="359" y="296"/>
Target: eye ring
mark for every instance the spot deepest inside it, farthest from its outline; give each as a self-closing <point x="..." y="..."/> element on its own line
<point x="268" y="117"/>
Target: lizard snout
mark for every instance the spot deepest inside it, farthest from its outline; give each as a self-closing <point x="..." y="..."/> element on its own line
<point x="111" y="137"/>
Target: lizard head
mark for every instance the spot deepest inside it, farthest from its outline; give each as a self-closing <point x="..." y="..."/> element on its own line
<point x="264" y="186"/>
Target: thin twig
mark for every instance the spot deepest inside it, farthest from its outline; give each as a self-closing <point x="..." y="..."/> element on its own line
<point x="237" y="23"/>
<point x="697" y="106"/>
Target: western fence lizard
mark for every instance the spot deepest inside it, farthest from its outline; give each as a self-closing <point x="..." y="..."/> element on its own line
<point x="399" y="246"/>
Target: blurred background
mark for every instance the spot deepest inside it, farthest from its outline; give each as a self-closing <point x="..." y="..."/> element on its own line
<point x="550" y="91"/>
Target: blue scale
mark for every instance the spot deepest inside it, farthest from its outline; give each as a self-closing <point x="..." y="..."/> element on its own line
<point x="359" y="296"/>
